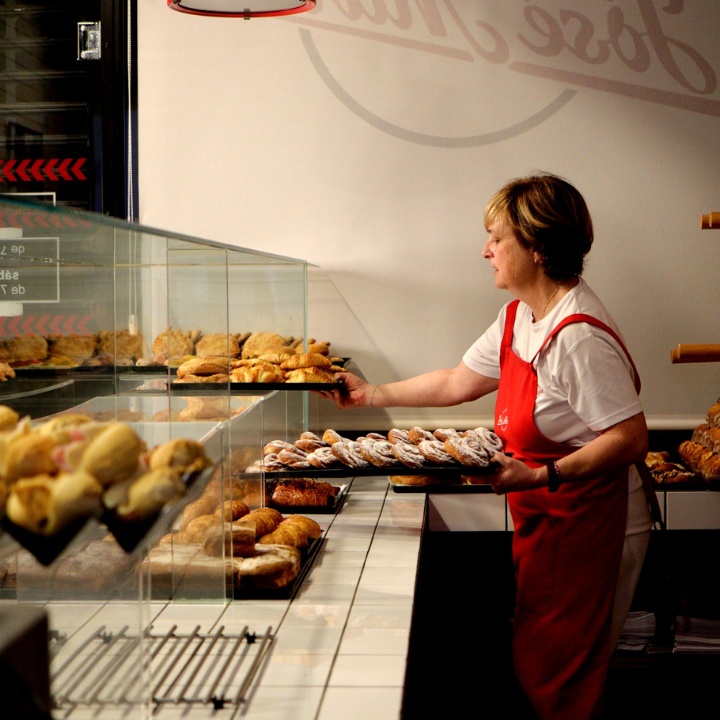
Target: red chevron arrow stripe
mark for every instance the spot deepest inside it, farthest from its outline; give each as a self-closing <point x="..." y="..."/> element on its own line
<point x="27" y="324"/>
<point x="63" y="169"/>
<point x="35" y="169"/>
<point x="48" y="169"/>
<point x="13" y="325"/>
<point x="7" y="170"/>
<point x="2" y="326"/>
<point x="55" y="324"/>
<point x="82" y="325"/>
<point x="22" y="167"/>
<point x="77" y="169"/>
<point x="41" y="330"/>
<point x="67" y="326"/>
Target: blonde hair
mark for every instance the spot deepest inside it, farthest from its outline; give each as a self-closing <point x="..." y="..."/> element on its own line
<point x="548" y="215"/>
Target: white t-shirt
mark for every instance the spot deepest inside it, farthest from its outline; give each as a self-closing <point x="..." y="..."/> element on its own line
<point x="585" y="379"/>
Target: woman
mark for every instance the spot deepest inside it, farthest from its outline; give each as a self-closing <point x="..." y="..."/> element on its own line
<point x="568" y="412"/>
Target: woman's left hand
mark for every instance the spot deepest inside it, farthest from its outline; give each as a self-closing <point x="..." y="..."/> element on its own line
<point x="513" y="475"/>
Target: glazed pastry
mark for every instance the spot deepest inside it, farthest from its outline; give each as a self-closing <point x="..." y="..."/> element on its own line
<point x="434" y="450"/>
<point x="348" y="453"/>
<point x="444" y="433"/>
<point x="416" y="434"/>
<point x="26" y="455"/>
<point x="396" y="435"/>
<point x="409" y="454"/>
<point x="293" y="457"/>
<point x="323" y="457"/>
<point x="275" y="446"/>
<point x="487" y="438"/>
<point x="332" y="436"/>
<point x="309" y="441"/>
<point x="468" y="451"/>
<point x="377" y="452"/>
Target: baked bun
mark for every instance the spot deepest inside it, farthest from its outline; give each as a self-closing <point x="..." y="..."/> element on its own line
<point x="175" y="343"/>
<point x="261" y="342"/>
<point x="147" y="495"/>
<point x="121" y="347"/>
<point x="217" y="345"/>
<point x="26" y="349"/>
<point x="186" y="455"/>
<point x="77" y="347"/>
<point x="113" y="455"/>
<point x="203" y="366"/>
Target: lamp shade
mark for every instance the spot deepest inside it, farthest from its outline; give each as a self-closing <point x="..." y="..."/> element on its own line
<point x="241" y="8"/>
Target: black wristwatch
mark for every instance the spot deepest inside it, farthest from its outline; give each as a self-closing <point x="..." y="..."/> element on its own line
<point x="553" y="476"/>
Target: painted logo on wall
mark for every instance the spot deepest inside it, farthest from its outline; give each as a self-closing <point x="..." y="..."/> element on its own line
<point x="517" y="63"/>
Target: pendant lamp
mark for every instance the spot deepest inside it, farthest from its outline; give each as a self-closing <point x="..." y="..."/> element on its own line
<point x="242" y="8"/>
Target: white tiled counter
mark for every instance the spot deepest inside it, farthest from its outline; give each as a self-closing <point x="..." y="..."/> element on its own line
<point x="339" y="647"/>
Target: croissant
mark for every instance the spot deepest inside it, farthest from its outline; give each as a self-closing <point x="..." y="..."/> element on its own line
<point x="306" y="360"/>
<point x="295" y="530"/>
<point x="309" y="375"/>
<point x="262" y="520"/>
<point x="232" y="510"/>
<point x="259" y="372"/>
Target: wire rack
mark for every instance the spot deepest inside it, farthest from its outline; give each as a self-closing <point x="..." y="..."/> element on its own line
<point x="119" y="669"/>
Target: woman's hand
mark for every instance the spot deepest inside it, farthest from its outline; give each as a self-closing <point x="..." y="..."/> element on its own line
<point x="514" y="475"/>
<point x="354" y="391"/>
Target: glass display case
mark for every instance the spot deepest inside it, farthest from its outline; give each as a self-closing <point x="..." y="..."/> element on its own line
<point x="96" y="318"/>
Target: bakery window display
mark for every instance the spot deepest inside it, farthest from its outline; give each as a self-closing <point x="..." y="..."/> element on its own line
<point x="256" y="552"/>
<point x="57" y="475"/>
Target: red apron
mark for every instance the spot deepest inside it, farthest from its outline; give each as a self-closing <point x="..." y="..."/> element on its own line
<point x="567" y="547"/>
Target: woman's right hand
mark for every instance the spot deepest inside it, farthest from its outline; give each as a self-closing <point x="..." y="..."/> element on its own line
<point x="354" y="391"/>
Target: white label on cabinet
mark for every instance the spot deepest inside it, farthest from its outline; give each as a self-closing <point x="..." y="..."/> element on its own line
<point x="29" y="270"/>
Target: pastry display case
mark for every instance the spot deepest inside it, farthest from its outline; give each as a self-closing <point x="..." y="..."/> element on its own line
<point x="97" y="316"/>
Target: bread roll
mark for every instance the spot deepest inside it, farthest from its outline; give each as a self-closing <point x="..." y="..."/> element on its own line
<point x="45" y="504"/>
<point x="151" y="492"/>
<point x="113" y="455"/>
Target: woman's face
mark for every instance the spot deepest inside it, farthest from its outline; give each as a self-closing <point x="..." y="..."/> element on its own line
<point x="513" y="264"/>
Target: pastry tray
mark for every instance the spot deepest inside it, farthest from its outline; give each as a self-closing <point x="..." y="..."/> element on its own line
<point x="329" y="509"/>
<point x="288" y="592"/>
<point x="249" y="386"/>
<point x="344" y="471"/>
<point x="441" y="487"/>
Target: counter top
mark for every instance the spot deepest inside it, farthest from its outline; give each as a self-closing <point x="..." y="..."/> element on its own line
<point x="339" y="647"/>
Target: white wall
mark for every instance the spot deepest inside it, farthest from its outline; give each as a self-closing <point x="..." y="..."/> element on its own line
<point x="366" y="136"/>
